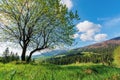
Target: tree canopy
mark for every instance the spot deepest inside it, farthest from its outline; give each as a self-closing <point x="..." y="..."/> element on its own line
<point x="36" y="24"/>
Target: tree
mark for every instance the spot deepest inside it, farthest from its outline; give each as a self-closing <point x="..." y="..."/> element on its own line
<point x="16" y="57"/>
<point x="116" y="56"/>
<point x="5" y="55"/>
<point x="8" y="56"/>
<point x="37" y="24"/>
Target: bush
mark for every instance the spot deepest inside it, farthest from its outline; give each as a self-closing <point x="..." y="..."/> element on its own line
<point x="117" y="57"/>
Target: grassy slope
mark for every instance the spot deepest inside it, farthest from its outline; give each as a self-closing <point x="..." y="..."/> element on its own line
<point x="52" y="72"/>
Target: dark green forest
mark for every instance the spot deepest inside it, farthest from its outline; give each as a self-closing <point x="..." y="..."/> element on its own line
<point x="102" y="55"/>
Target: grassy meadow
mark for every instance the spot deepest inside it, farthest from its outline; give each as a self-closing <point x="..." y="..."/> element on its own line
<point x="88" y="71"/>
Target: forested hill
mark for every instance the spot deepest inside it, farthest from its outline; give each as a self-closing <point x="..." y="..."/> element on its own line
<point x="99" y="47"/>
<point x="96" y="53"/>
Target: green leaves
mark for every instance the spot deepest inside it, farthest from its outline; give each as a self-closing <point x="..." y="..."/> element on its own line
<point x="38" y="23"/>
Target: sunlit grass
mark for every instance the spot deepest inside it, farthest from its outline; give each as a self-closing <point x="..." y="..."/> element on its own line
<point x="82" y="71"/>
<point x="82" y="64"/>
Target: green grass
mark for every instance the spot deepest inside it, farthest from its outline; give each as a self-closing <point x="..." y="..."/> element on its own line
<point x="53" y="72"/>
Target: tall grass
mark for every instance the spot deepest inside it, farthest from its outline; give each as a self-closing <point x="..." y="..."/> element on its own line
<point x="53" y="72"/>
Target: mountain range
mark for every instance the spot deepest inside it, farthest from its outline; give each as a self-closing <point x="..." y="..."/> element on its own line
<point x="114" y="42"/>
<point x="111" y="42"/>
<point x="49" y="53"/>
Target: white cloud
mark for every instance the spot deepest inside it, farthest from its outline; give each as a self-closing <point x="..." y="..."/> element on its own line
<point x="100" y="37"/>
<point x="89" y="31"/>
<point x="112" y="22"/>
<point x="76" y="35"/>
<point x="68" y="3"/>
<point x="86" y="37"/>
<point x="87" y="26"/>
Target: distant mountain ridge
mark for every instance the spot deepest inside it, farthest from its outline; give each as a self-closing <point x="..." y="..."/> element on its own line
<point x="117" y="38"/>
<point x="111" y="42"/>
<point x="108" y="44"/>
<point x="49" y="53"/>
<point x="105" y="44"/>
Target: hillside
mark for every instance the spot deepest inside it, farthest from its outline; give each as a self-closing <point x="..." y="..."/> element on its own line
<point x="112" y="43"/>
<point x="108" y="43"/>
<point x="96" y="53"/>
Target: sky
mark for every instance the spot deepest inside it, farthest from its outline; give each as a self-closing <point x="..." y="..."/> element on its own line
<point x="100" y="20"/>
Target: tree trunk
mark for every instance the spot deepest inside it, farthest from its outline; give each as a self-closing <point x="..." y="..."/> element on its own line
<point x="29" y="58"/>
<point x="23" y="54"/>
